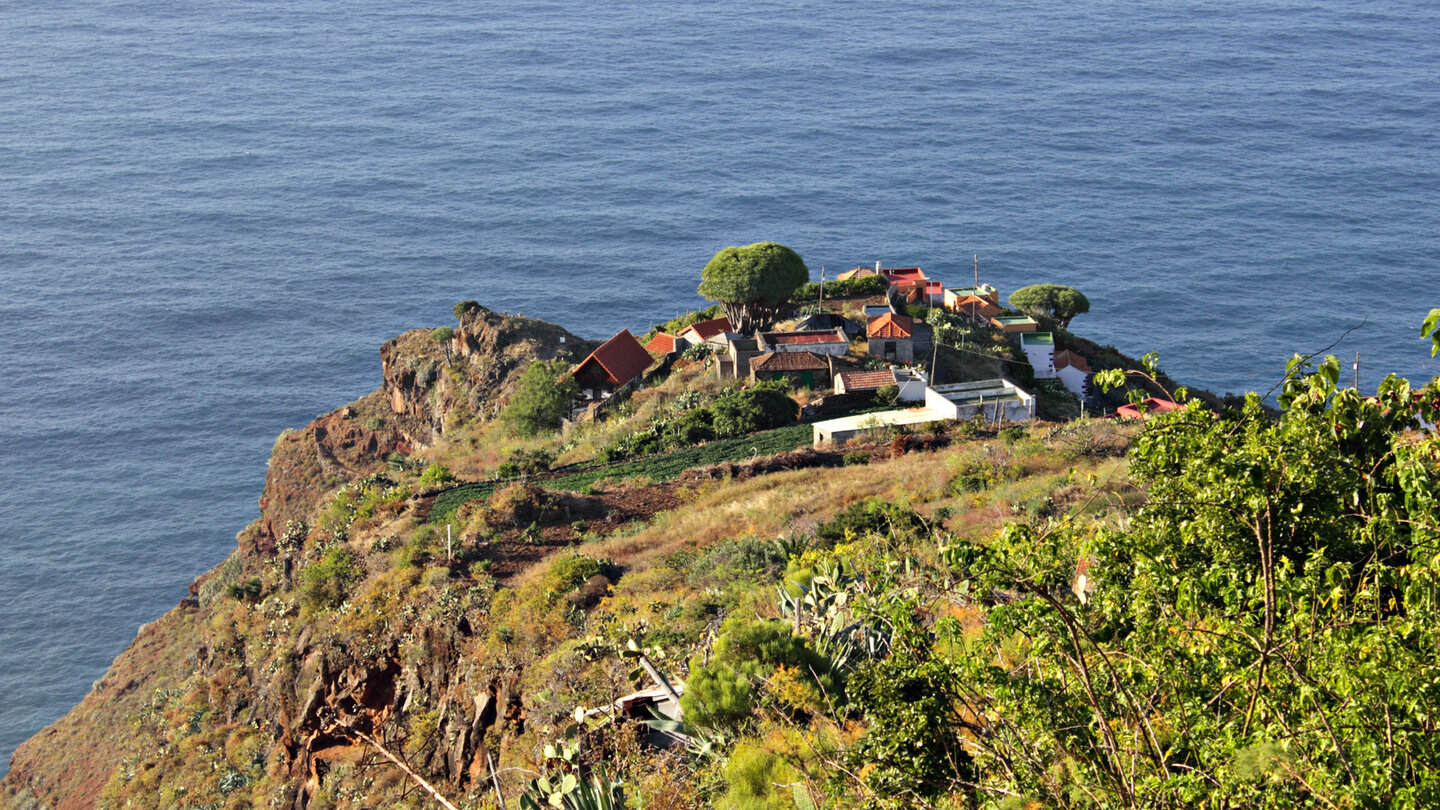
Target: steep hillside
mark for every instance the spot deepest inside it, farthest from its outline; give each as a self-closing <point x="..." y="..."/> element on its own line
<point x="1215" y="608"/>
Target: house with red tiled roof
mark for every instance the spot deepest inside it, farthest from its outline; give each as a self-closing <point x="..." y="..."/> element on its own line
<point x="704" y="331"/>
<point x="663" y="344"/>
<point x="910" y="383"/>
<point x="1145" y="408"/>
<point x="1073" y="370"/>
<point x="979" y="309"/>
<point x="820" y="341"/>
<point x="614" y="364"/>
<point x="892" y="337"/>
<point x="802" y="369"/>
<point x="911" y="286"/>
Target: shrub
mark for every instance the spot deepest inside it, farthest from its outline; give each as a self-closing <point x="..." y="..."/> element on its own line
<point x="465" y="308"/>
<point x="442" y="334"/>
<point x="569" y="573"/>
<point x="911" y="749"/>
<point x="543" y="398"/>
<point x="247" y="591"/>
<point x="436" y="475"/>
<point x="526" y="462"/>
<point x="724" y="691"/>
<point x="869" y="517"/>
<point x="326" y="582"/>
<point x="763" y="407"/>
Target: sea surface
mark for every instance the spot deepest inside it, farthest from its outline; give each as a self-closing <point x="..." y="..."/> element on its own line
<point x="212" y="214"/>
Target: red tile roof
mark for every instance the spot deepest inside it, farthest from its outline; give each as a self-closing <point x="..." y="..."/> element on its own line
<point x="793" y="338"/>
<point x="891" y="326"/>
<point x="1066" y="358"/>
<point x="1152" y="405"/>
<point x="708" y="329"/>
<point x="789" y="361"/>
<point x="896" y="274"/>
<point x="664" y="343"/>
<point x="975" y="305"/>
<point x="621" y="358"/>
<point x="866" y="380"/>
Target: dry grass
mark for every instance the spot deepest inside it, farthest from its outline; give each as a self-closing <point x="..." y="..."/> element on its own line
<point x="773" y="505"/>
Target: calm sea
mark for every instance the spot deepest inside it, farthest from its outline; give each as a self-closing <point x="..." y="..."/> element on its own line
<point x="212" y="214"/>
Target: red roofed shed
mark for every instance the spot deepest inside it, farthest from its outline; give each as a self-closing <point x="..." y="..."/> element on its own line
<point x="704" y="330"/>
<point x="664" y="343"/>
<point x="618" y="361"/>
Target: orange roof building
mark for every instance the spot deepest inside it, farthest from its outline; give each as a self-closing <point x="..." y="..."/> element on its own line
<point x="980" y="309"/>
<point x="1150" y="405"/>
<point x="891" y="327"/>
<point x="664" y="343"/>
<point x="618" y="361"/>
<point x="704" y="330"/>
<point x="1068" y="359"/>
<point x="891" y="337"/>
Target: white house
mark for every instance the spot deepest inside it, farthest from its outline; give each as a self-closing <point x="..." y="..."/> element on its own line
<point x="1040" y="351"/>
<point x="1073" y="370"/>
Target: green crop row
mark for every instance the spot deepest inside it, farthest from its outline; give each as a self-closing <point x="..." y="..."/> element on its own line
<point x="663" y="467"/>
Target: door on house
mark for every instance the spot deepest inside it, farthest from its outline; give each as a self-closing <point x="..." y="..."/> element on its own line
<point x="807" y="379"/>
<point x="890" y="349"/>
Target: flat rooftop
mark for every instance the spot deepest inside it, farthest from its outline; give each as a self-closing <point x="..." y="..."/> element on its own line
<point x="865" y="421"/>
<point x="1037" y="339"/>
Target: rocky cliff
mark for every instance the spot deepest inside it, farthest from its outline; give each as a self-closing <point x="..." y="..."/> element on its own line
<point x="254" y="685"/>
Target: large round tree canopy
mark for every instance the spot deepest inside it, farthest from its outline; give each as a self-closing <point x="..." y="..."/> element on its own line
<point x="753" y="283"/>
<point x="1054" y="300"/>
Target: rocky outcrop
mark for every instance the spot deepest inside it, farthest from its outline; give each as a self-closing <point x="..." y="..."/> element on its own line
<point x="307" y="464"/>
<point x="435" y="385"/>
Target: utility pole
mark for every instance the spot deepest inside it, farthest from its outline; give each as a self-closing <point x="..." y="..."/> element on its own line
<point x="822" y="286"/>
<point x="977" y="273"/>
<point x="1357" y="371"/>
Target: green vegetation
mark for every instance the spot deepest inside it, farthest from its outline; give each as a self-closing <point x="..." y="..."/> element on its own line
<point x="1221" y="608"/>
<point x="1050" y="301"/>
<point x="326" y="582"/>
<point x="753" y="283"/>
<point x="809" y="292"/>
<point x="663" y="467"/>
<point x="543" y="398"/>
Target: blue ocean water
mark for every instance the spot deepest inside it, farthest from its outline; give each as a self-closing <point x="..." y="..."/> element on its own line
<point x="212" y="214"/>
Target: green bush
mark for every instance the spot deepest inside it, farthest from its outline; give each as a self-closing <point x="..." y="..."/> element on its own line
<point x="726" y="690"/>
<point x="436" y="475"/>
<point x="759" y="780"/>
<point x="465" y="308"/>
<point x="543" y="399"/>
<point x="568" y="573"/>
<point x="763" y="407"/>
<point x="869" y="517"/>
<point x="442" y="334"/>
<point x="912" y="746"/>
<point x="326" y="582"/>
<point x="809" y="293"/>
<point x="526" y="462"/>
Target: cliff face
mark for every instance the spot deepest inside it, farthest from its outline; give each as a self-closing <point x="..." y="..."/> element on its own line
<point x="255" y="682"/>
<point x="432" y="385"/>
